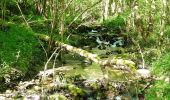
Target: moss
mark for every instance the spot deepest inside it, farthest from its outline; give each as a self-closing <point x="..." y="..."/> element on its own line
<point x="75" y="91"/>
<point x="17" y="45"/>
<point x="57" y="97"/>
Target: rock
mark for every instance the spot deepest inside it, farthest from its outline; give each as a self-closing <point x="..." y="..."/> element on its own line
<point x="118" y="98"/>
<point x="167" y="80"/>
<point x="2" y="98"/>
<point x="145" y="73"/>
<point x="32" y="97"/>
<point x="37" y="88"/>
<point x="123" y="97"/>
<point x="8" y="91"/>
<point x="57" y="97"/>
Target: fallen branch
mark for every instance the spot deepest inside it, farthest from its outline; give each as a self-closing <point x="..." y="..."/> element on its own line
<point x="121" y="64"/>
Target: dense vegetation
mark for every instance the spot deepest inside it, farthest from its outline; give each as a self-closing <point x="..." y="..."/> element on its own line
<point x="91" y="49"/>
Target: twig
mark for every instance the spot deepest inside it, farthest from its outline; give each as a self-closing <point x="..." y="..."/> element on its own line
<point x="54" y="64"/>
<point x="35" y="21"/>
<point x="140" y="51"/>
<point x="45" y="67"/>
<point x="143" y="60"/>
<point x="68" y="5"/>
<point x="83" y="12"/>
<point x="43" y="49"/>
<point x="22" y="14"/>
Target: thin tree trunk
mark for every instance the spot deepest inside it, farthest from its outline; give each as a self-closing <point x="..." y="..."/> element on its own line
<point x="163" y="18"/>
<point x="105" y="7"/>
<point x="110" y="7"/>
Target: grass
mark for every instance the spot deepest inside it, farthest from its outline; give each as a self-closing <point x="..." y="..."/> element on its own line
<point x="160" y="89"/>
<point x="162" y="65"/>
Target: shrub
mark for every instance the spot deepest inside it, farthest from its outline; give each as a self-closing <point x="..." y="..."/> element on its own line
<point x="114" y="23"/>
<point x="162" y="65"/>
<point x="167" y="31"/>
<point x="159" y="91"/>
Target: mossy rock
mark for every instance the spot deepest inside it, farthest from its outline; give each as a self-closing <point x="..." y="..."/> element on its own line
<point x="119" y="75"/>
<point x="57" y="97"/>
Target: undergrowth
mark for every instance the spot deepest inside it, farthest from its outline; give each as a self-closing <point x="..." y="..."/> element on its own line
<point x="160" y="89"/>
<point x="162" y="65"/>
<point x="17" y="45"/>
<point x="114" y="24"/>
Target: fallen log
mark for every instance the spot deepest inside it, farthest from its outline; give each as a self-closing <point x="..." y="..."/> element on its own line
<point x="118" y="64"/>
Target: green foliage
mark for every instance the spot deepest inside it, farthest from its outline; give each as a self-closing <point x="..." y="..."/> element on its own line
<point x="114" y="23"/>
<point x="151" y="40"/>
<point x="17" y="45"/>
<point x="38" y="25"/>
<point x="75" y="90"/>
<point x="162" y="65"/>
<point x="159" y="91"/>
<point x="167" y="31"/>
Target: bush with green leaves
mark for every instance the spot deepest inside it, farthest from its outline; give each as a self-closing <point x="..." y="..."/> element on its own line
<point x="17" y="46"/>
<point x="162" y="65"/>
<point x="114" y="23"/>
<point x="167" y="31"/>
<point x="159" y="91"/>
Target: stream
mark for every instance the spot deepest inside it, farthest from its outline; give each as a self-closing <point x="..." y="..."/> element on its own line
<point x="81" y="79"/>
